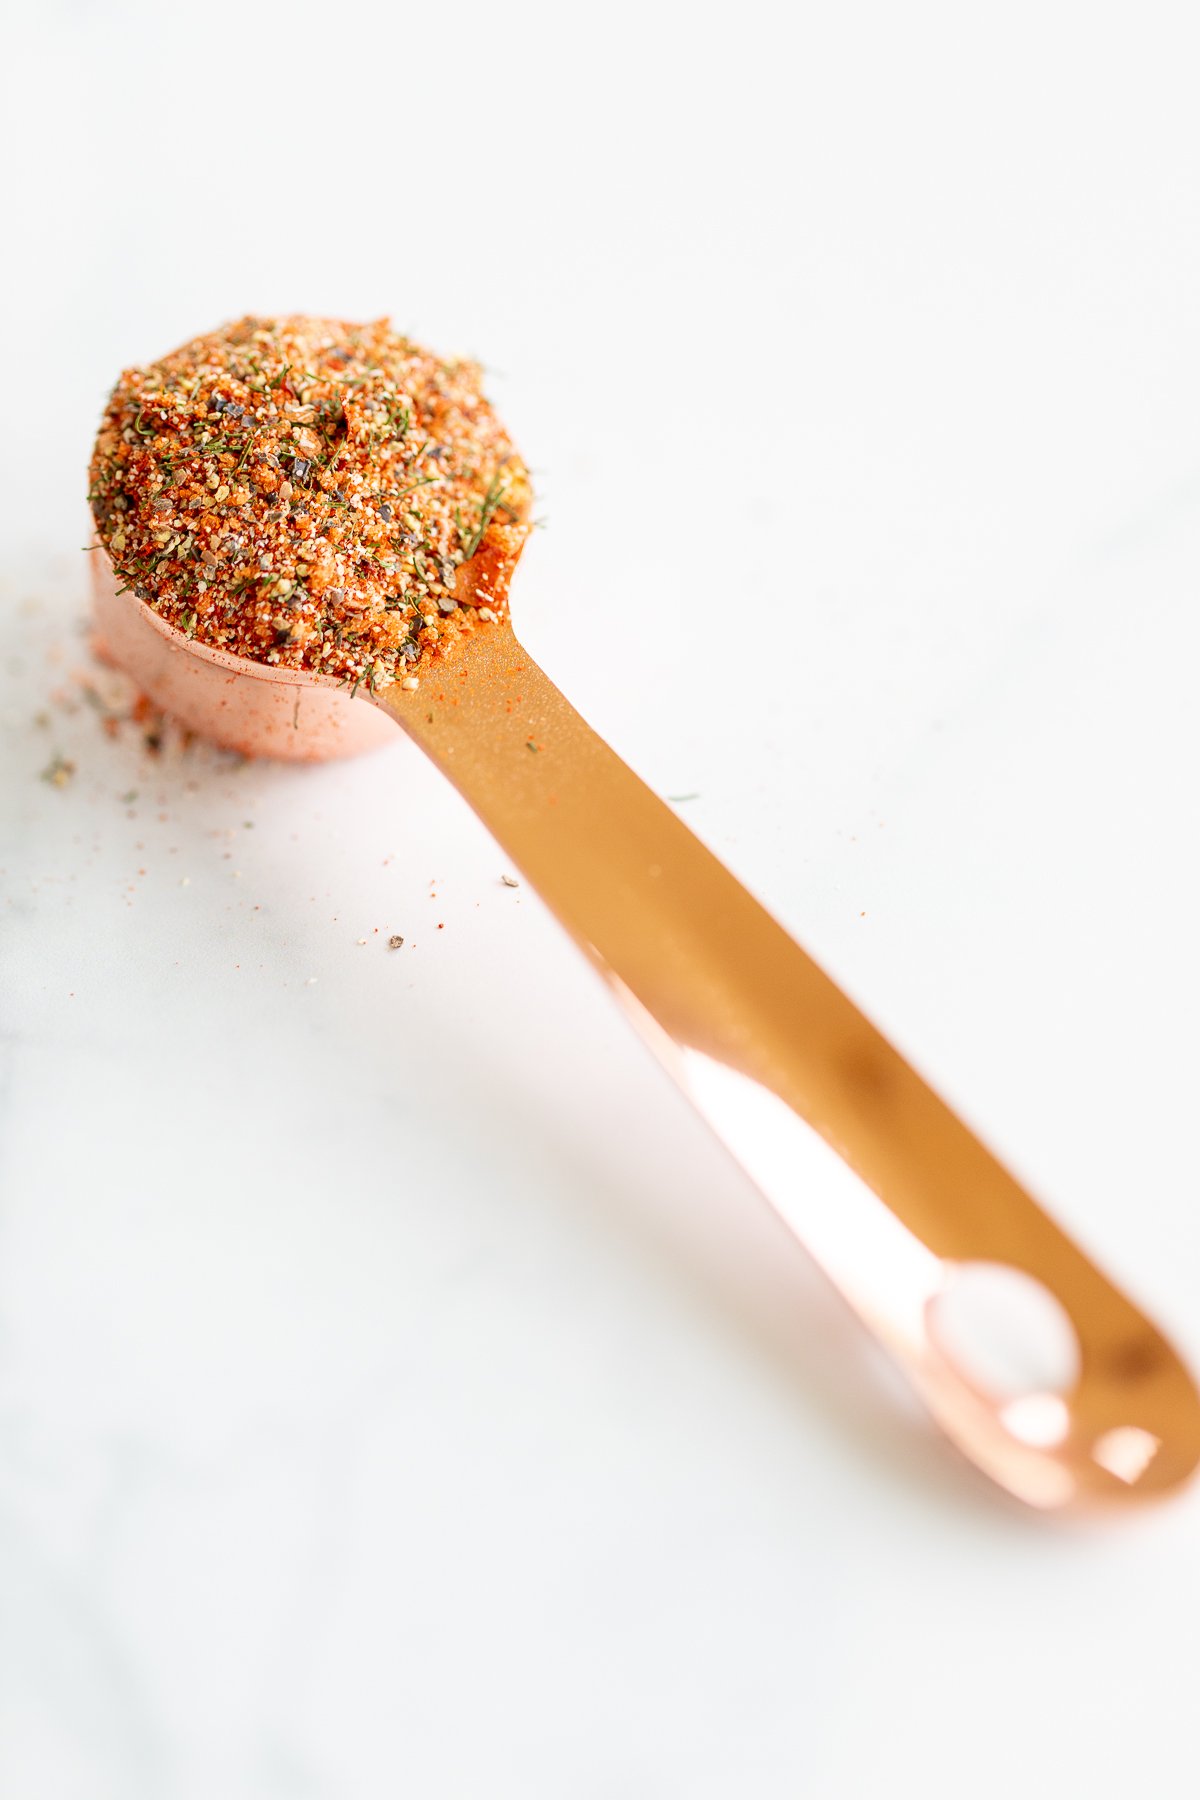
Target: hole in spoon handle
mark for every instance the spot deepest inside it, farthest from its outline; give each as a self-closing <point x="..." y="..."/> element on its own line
<point x="1046" y="1376"/>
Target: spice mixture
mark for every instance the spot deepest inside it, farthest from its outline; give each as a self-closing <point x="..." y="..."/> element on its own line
<point x="314" y="494"/>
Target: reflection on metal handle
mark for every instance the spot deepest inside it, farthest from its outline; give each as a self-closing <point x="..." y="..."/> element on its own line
<point x="771" y="1052"/>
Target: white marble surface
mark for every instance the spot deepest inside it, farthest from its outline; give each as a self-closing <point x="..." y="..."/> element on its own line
<point x="399" y="1393"/>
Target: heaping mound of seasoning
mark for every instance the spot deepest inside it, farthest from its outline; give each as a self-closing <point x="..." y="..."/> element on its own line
<point x="314" y="494"/>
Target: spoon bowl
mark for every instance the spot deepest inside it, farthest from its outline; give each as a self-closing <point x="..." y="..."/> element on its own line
<point x="255" y="708"/>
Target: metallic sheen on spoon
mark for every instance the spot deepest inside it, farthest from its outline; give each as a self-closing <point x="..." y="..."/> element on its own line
<point x="758" y="1037"/>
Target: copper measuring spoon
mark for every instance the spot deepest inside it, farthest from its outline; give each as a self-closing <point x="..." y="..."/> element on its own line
<point x="757" y="1036"/>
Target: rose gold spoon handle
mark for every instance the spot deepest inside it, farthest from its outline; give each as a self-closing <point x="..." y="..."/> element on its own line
<point x="769" y="1050"/>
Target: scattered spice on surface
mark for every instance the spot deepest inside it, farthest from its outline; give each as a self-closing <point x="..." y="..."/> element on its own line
<point x="117" y="703"/>
<point x="58" y="771"/>
<point x="395" y="942"/>
<point x="312" y="494"/>
<point x="509" y="881"/>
